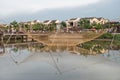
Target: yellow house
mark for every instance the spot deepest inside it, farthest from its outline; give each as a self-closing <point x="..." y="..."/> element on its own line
<point x="29" y="24"/>
<point x="73" y="22"/>
<point x="102" y="20"/>
<point x="96" y="20"/>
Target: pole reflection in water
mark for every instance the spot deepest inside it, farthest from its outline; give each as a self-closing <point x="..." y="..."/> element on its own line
<point x="36" y="61"/>
<point x="28" y="50"/>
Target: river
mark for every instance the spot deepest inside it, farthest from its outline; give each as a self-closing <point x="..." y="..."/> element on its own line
<point x="35" y="62"/>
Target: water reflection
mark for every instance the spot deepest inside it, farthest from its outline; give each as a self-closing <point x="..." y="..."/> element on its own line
<point x="35" y="61"/>
<point x="20" y="53"/>
<point x="2" y="50"/>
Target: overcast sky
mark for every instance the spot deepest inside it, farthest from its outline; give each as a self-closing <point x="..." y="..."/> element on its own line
<point x="25" y="10"/>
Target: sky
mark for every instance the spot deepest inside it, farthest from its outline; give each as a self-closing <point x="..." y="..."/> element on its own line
<point x="26" y="10"/>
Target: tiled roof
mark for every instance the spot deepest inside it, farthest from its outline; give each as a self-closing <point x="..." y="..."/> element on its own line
<point x="88" y="18"/>
<point x="53" y="21"/>
<point x="73" y="18"/>
<point x="46" y="21"/>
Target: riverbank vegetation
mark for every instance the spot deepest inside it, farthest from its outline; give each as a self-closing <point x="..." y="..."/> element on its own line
<point x="114" y="37"/>
<point x="102" y="43"/>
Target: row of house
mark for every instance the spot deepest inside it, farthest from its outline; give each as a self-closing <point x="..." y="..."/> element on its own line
<point x="71" y="22"/>
<point x="46" y="22"/>
<point x="74" y="21"/>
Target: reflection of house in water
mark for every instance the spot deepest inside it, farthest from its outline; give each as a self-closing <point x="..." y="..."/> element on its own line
<point x="72" y="49"/>
<point x="19" y="55"/>
<point x="18" y="52"/>
<point x="21" y="52"/>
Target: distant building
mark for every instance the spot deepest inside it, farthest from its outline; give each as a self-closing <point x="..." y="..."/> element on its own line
<point x="102" y="20"/>
<point x="32" y="22"/>
<point x="73" y="22"/>
<point x="96" y="20"/>
<point x="36" y="21"/>
<point x="50" y="22"/>
<point x="57" y="24"/>
<point x="55" y="21"/>
<point x="115" y="26"/>
<point x="47" y="22"/>
<point x="28" y="23"/>
<point x="1" y="25"/>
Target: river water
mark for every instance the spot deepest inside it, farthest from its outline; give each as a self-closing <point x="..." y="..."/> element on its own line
<point x="34" y="62"/>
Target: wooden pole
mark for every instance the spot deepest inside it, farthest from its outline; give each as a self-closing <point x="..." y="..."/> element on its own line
<point x="2" y="43"/>
<point x="15" y="38"/>
<point x="22" y="38"/>
<point x="2" y="39"/>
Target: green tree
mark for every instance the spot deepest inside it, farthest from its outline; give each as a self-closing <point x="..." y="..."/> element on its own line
<point x="100" y="26"/>
<point x="46" y="28"/>
<point x="53" y="26"/>
<point x="84" y="23"/>
<point x="81" y="23"/>
<point x="41" y="26"/>
<point x="27" y="27"/>
<point x="38" y="26"/>
<point x="87" y="24"/>
<point x="63" y="24"/>
<point x="97" y="26"/>
<point x="15" y="25"/>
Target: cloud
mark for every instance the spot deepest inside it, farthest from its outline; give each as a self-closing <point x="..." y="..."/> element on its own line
<point x="58" y="9"/>
<point x="31" y="6"/>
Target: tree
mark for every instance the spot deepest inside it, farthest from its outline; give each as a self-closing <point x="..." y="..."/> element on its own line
<point x="38" y="26"/>
<point x="63" y="24"/>
<point x="41" y="26"/>
<point x="87" y="24"/>
<point x="52" y="26"/>
<point x="81" y="23"/>
<point x="26" y="26"/>
<point x="46" y="28"/>
<point x="15" y="25"/>
<point x="84" y="23"/>
<point x="97" y="26"/>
